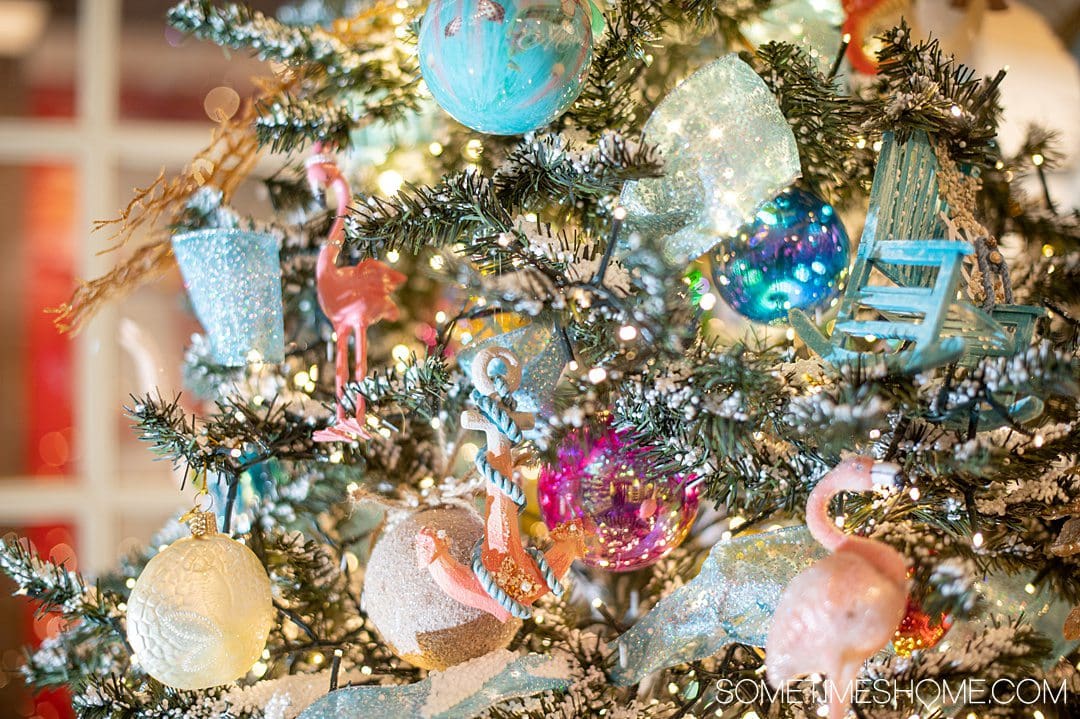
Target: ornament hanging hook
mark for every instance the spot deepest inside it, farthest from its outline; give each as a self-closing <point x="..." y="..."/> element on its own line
<point x="484" y="370"/>
<point x="199" y="518"/>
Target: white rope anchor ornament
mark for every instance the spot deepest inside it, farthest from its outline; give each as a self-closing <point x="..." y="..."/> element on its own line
<point x="506" y="577"/>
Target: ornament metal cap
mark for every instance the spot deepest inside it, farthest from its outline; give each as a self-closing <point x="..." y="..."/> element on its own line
<point x="200" y="520"/>
<point x="201" y="523"/>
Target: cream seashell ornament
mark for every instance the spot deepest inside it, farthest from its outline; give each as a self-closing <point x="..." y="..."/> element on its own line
<point x="201" y="610"/>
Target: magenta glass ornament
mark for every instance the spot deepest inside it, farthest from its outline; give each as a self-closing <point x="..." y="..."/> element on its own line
<point x="633" y="514"/>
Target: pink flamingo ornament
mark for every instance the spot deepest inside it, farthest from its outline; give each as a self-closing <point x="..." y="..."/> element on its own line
<point x="353" y="297"/>
<point x="836" y="614"/>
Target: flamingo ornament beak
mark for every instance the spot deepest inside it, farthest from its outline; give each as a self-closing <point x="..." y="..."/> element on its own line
<point x="885" y="474"/>
<point x="318" y="174"/>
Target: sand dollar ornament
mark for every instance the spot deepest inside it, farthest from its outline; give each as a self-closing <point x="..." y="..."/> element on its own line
<point x="421" y="623"/>
<point x="505" y="67"/>
<point x="200" y="612"/>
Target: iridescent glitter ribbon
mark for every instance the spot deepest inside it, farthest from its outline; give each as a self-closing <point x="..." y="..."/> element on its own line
<point x="461" y="691"/>
<point x="543" y="355"/>
<point x="727" y="149"/>
<point x="734" y="597"/>
<point x="731" y="600"/>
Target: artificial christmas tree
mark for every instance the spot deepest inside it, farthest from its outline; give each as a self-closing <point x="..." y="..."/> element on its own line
<point x="556" y="285"/>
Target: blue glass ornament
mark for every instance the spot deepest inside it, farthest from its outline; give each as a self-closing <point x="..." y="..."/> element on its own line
<point x="462" y="691"/>
<point x="505" y="67"/>
<point x="793" y="254"/>
<point x="233" y="278"/>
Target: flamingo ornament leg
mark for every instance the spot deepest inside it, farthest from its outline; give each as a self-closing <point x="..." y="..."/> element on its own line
<point x="353" y="297"/>
<point x="341" y="369"/>
<point x="349" y="428"/>
<point x="359" y="332"/>
<point x="839" y="612"/>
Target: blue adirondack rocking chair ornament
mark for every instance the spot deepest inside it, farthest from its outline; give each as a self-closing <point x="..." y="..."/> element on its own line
<point x="902" y="290"/>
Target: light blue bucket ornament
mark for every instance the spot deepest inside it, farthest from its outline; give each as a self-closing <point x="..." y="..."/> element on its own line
<point x="233" y="278"/>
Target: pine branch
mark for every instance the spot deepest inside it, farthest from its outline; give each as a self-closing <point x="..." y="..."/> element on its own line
<point x="920" y="88"/>
<point x="288" y="123"/>
<point x="312" y="586"/>
<point x="170" y="433"/>
<point x="706" y="417"/>
<point x="121" y="697"/>
<point x="288" y="194"/>
<point x="551" y="171"/>
<point x="724" y="18"/>
<point x="238" y="27"/>
<point x="824" y="121"/>
<point x="418" y="392"/>
<point x="1010" y="650"/>
<point x="362" y="81"/>
<point x="1043" y="143"/>
<point x="612" y="96"/>
<point x="237" y="436"/>
<point x="54" y="589"/>
<point x="458" y="209"/>
<point x="608" y="99"/>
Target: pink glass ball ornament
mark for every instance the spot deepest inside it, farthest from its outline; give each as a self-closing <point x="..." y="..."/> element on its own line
<point x="634" y="516"/>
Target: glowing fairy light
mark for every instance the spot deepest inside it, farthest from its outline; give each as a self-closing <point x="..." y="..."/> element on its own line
<point x="389" y="181"/>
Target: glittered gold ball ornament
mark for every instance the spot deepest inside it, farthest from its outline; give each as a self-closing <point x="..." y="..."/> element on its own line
<point x="201" y="610"/>
<point x="420" y="622"/>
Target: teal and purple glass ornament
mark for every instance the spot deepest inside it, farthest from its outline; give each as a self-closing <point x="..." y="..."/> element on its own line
<point x="634" y="515"/>
<point x="233" y="278"/>
<point x="792" y="255"/>
<point x="505" y="67"/>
